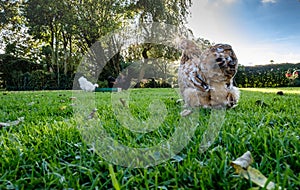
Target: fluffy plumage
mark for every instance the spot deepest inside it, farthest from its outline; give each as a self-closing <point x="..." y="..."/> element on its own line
<point x="86" y="85"/>
<point x="206" y="78"/>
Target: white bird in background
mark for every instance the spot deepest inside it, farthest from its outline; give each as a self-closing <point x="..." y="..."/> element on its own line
<point x="86" y="85"/>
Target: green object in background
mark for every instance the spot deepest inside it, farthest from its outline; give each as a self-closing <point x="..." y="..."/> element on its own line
<point x="297" y="82"/>
<point x="108" y="89"/>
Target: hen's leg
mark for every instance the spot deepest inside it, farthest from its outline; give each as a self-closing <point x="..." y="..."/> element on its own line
<point x="233" y="97"/>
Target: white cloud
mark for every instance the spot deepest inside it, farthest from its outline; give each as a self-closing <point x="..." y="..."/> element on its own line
<point x="268" y="1"/>
<point x="261" y="53"/>
<point x="211" y="20"/>
<point x="221" y="2"/>
<point x="229" y="1"/>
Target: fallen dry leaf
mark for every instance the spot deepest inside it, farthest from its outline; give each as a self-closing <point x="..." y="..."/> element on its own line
<point x="123" y="102"/>
<point x="12" y="123"/>
<point x="63" y="107"/>
<point x="72" y="98"/>
<point x="92" y="114"/>
<point x="186" y="112"/>
<point x="258" y="178"/>
<point x="244" y="161"/>
<point x="31" y="104"/>
<point x="179" y="101"/>
<point x="243" y="168"/>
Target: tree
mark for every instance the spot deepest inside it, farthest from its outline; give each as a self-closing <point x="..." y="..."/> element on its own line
<point x="58" y="33"/>
<point x="70" y="27"/>
<point x="11" y="26"/>
<point x="9" y="13"/>
<point x="147" y="12"/>
<point x="48" y="27"/>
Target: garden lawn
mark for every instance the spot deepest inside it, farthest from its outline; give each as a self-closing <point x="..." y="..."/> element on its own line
<point x="47" y="151"/>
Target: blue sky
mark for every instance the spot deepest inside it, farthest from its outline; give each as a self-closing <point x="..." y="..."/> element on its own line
<point x="258" y="30"/>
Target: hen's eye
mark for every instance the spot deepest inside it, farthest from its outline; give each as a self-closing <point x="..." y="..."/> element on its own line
<point x="231" y="61"/>
<point x="219" y="49"/>
<point x="219" y="59"/>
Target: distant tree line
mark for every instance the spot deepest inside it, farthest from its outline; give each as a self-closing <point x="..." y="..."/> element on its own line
<point x="45" y="41"/>
<point x="24" y="74"/>
<point x="271" y="75"/>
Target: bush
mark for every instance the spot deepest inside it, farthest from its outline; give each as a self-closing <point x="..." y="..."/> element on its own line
<point x="153" y="83"/>
<point x="12" y="70"/>
<point x="23" y="74"/>
<point x="265" y="76"/>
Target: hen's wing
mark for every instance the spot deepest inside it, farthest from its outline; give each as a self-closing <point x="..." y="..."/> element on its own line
<point x="189" y="71"/>
<point x="192" y="81"/>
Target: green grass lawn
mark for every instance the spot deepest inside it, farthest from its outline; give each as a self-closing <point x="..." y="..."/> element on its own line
<point x="48" y="151"/>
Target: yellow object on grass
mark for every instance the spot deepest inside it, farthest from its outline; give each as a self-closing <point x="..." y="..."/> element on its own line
<point x="243" y="168"/>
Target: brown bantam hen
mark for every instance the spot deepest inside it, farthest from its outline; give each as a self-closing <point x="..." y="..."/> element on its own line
<point x="206" y="78"/>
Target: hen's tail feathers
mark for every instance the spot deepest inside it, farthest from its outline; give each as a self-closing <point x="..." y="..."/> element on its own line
<point x="188" y="47"/>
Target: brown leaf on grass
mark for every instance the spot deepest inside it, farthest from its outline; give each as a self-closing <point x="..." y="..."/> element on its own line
<point x="12" y="123"/>
<point x="179" y="101"/>
<point x="186" y="112"/>
<point x="243" y="168"/>
<point x="244" y="161"/>
<point x="31" y="103"/>
<point x="123" y="102"/>
<point x="92" y="114"/>
<point x="72" y="98"/>
<point x="62" y="108"/>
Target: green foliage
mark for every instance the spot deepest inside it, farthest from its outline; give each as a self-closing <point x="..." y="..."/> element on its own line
<point x="297" y="82"/>
<point x="167" y="11"/>
<point x="12" y="69"/>
<point x="9" y="12"/>
<point x="58" y="34"/>
<point x="46" y="151"/>
<point x="272" y="75"/>
<point x="152" y="83"/>
<point x="23" y="74"/>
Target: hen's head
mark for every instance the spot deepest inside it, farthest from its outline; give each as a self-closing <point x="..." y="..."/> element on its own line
<point x="224" y="55"/>
<point x="220" y="59"/>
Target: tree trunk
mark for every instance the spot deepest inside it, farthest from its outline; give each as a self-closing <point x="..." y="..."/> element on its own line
<point x="70" y="53"/>
<point x="65" y="42"/>
<point x="144" y="62"/>
<point x="56" y="59"/>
